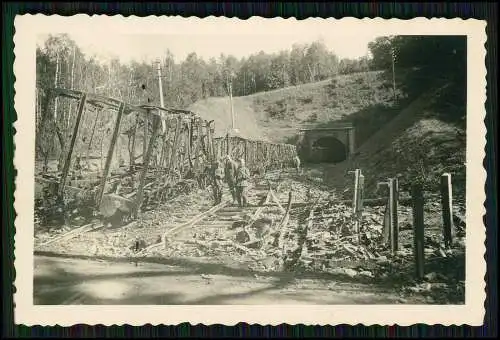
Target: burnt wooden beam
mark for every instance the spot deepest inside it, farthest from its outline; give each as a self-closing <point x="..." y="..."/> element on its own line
<point x="110" y="153"/>
<point x="140" y="189"/>
<point x="145" y="135"/>
<point x="173" y="158"/>
<point x="190" y="142"/>
<point x="67" y="162"/>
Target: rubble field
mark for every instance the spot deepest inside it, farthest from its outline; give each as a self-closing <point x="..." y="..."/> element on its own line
<point x="275" y="238"/>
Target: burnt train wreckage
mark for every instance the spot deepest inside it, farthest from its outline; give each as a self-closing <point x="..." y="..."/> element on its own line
<point x="169" y="151"/>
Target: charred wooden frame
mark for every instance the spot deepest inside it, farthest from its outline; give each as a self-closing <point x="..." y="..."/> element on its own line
<point x="186" y="146"/>
<point x="185" y="123"/>
<point x="257" y="154"/>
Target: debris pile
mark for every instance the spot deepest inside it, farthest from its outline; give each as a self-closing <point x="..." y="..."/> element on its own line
<point x="332" y="238"/>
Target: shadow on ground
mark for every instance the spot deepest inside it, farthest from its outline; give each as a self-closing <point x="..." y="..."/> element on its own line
<point x="183" y="281"/>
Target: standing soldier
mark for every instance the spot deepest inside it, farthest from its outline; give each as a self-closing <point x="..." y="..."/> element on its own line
<point x="296" y="162"/>
<point x="217" y="182"/>
<point x="242" y="177"/>
<point x="230" y="169"/>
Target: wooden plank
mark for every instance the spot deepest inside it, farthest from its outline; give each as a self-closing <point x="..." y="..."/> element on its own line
<point x="110" y="154"/>
<point x="276" y="200"/>
<point x="69" y="235"/>
<point x="194" y="220"/>
<point x="67" y="163"/>
<point x="284" y="221"/>
<point x="308" y="227"/>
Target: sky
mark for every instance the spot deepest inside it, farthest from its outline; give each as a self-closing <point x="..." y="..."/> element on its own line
<point x="210" y="38"/>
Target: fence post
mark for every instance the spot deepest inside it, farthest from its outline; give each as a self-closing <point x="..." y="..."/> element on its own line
<point x="356" y="184"/>
<point x="355" y="200"/>
<point x="418" y="227"/>
<point x="447" y="208"/>
<point x="394" y="213"/>
<point x="391" y="225"/>
<point x="359" y="205"/>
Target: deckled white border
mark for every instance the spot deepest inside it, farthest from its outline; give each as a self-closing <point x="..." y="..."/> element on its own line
<point x="472" y="313"/>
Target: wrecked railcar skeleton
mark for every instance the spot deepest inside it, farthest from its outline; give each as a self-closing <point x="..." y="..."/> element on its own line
<point x="179" y="149"/>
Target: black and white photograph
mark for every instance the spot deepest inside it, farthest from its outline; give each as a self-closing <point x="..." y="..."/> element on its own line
<point x="252" y="162"/>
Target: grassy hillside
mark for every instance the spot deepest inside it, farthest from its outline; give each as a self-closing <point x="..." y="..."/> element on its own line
<point x="416" y="145"/>
<point x="419" y="136"/>
<point x="276" y="115"/>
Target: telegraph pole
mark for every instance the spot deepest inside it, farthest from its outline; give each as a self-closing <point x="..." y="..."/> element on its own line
<point x="230" y="88"/>
<point x="160" y="87"/>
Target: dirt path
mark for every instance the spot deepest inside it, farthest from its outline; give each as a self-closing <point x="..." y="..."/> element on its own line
<point x="65" y="280"/>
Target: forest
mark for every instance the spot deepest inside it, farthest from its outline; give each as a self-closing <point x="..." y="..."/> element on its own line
<point x="61" y="63"/>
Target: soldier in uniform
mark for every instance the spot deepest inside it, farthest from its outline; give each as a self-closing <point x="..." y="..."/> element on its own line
<point x="296" y="162"/>
<point x="242" y="177"/>
<point x="230" y="169"/>
<point x="217" y="182"/>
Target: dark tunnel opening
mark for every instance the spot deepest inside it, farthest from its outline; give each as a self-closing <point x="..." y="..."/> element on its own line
<point x="328" y="150"/>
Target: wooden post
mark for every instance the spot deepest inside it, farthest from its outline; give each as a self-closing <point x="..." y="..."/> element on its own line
<point x="356" y="189"/>
<point x="67" y="163"/>
<point x="355" y="201"/>
<point x="447" y="208"/>
<point x="110" y="153"/>
<point x="359" y="204"/>
<point x="391" y="213"/>
<point x="418" y="227"/>
<point x="394" y="196"/>
<point x="387" y="231"/>
<point x="142" y="180"/>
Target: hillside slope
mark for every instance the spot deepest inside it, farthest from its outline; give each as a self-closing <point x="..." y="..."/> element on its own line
<point x="414" y="138"/>
<point x="414" y="145"/>
<point x="276" y="115"/>
<point x="219" y="109"/>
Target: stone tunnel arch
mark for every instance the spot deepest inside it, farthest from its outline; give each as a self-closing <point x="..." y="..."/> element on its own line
<point x="334" y="144"/>
<point x="328" y="149"/>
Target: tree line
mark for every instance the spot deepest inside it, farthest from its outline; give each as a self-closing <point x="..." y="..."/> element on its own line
<point x="61" y="63"/>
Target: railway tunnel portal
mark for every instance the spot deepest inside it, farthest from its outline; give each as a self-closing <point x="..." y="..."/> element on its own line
<point x="327" y="145"/>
